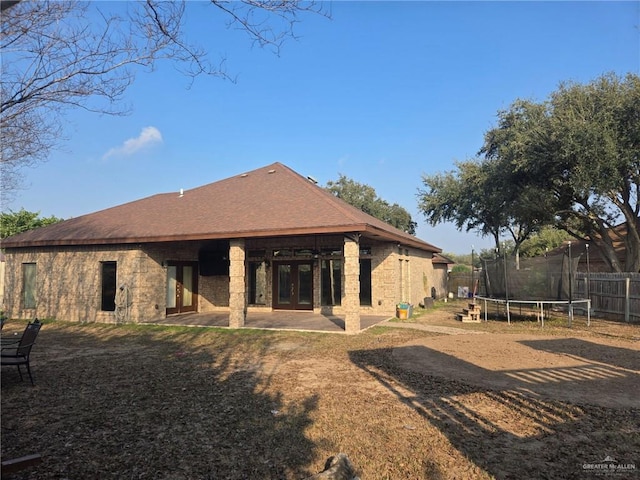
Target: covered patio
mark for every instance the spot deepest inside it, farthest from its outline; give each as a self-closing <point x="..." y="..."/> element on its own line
<point x="274" y="320"/>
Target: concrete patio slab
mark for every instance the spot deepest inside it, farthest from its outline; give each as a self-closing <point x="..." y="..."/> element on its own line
<point x="276" y="320"/>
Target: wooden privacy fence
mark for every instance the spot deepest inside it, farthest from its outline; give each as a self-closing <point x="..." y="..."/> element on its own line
<point x="460" y="282"/>
<point x="614" y="295"/>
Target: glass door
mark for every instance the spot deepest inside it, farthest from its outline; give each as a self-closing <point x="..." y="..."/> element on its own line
<point x="293" y="285"/>
<point x="182" y="287"/>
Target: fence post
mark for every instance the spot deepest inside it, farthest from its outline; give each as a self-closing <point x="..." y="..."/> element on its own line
<point x="627" y="299"/>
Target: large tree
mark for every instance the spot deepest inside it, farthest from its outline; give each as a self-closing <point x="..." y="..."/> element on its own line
<point x="458" y="196"/>
<point x="12" y="223"/>
<point x="580" y="152"/>
<point x="548" y="238"/>
<point x="572" y="161"/>
<point x="66" y="54"/>
<point x="366" y="199"/>
<point x="481" y="196"/>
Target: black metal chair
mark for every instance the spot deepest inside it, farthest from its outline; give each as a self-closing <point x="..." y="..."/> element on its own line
<point x="9" y="340"/>
<point x="21" y="350"/>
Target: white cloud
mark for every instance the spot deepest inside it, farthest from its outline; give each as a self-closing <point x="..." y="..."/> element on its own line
<point x="343" y="160"/>
<point x="149" y="136"/>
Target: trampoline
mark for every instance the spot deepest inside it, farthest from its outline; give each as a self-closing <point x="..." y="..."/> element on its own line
<point x="540" y="282"/>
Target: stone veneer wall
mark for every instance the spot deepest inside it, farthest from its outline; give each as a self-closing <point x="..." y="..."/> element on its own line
<point x="213" y="291"/>
<point x="68" y="282"/>
<point x="383" y="280"/>
<point x="2" y="269"/>
<point x="237" y="284"/>
<point x="400" y="274"/>
<point x="422" y="276"/>
<point x="440" y="280"/>
<point x="68" y="278"/>
<point x="351" y="286"/>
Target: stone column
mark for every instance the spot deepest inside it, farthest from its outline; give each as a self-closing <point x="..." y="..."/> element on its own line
<point x="351" y="300"/>
<point x="237" y="290"/>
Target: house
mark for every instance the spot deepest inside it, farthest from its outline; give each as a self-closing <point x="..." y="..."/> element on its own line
<point x="591" y="257"/>
<point x="267" y="239"/>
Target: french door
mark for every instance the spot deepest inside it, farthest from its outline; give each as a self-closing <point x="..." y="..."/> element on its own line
<point x="182" y="287"/>
<point x="293" y="285"/>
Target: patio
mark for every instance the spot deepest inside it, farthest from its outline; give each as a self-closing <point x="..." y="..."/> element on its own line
<point x="276" y="320"/>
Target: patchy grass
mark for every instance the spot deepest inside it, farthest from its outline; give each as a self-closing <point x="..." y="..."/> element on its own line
<point x="136" y="402"/>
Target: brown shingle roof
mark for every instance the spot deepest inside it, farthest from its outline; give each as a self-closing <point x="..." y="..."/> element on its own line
<point x="438" y="258"/>
<point x="270" y="201"/>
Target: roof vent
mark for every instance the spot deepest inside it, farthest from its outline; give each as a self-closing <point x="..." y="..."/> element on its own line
<point x="271" y="171"/>
<point x="312" y="180"/>
<point x="181" y="193"/>
<point x="244" y="175"/>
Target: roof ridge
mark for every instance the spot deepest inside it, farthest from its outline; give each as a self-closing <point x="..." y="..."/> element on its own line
<point x="341" y="205"/>
<point x="353" y="213"/>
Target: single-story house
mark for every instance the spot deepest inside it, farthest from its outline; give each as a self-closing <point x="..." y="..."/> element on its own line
<point x="267" y="239"/>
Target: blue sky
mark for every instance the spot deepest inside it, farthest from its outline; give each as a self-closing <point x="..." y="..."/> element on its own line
<point x="383" y="92"/>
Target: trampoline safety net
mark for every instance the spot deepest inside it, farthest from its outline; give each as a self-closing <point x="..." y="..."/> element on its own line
<point x="552" y="277"/>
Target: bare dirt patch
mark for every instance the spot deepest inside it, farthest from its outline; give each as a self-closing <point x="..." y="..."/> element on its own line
<point x="585" y="371"/>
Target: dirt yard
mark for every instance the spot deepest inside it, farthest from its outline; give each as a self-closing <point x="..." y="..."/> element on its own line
<point x="402" y="401"/>
<point x="577" y="365"/>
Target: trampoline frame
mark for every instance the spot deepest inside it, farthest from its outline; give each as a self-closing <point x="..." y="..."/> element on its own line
<point x="539" y="304"/>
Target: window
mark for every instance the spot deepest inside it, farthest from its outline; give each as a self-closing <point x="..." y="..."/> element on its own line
<point x="258" y="283"/>
<point x="331" y="281"/>
<point x="29" y="285"/>
<point x="108" y="287"/>
<point x="365" y="281"/>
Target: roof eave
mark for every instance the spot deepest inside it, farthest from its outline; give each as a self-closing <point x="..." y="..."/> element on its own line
<point x="406" y="239"/>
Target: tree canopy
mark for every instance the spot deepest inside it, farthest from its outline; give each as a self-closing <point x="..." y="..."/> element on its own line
<point x="548" y="238"/>
<point x="12" y="223"/>
<point x="481" y="196"/>
<point x="364" y="197"/>
<point x="571" y="161"/>
<point x="58" y="55"/>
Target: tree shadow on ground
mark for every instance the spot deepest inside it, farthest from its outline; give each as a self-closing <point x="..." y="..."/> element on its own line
<point x="509" y="433"/>
<point x="120" y="402"/>
<point x="596" y="352"/>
